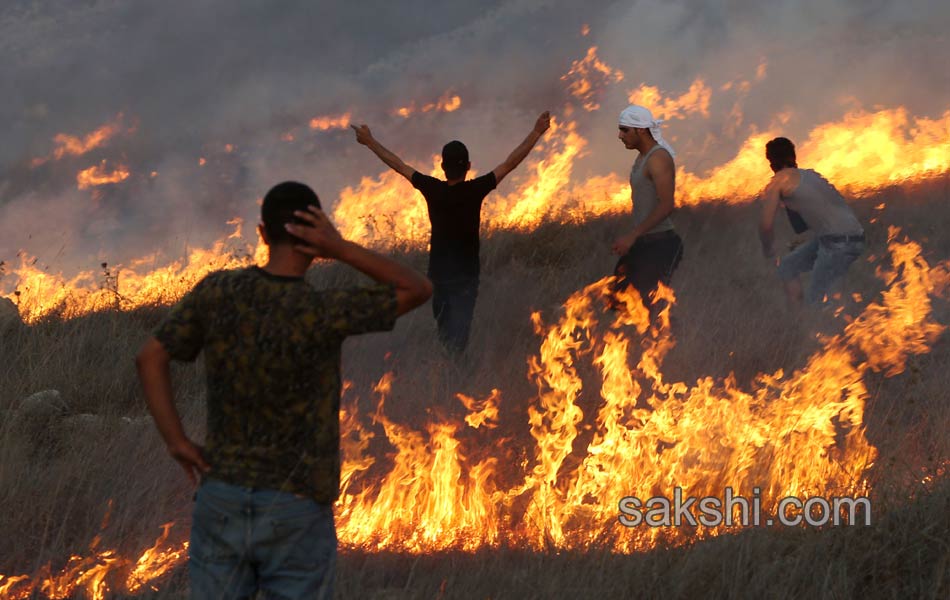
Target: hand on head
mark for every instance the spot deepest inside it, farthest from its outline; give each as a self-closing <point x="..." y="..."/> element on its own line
<point x="321" y="237"/>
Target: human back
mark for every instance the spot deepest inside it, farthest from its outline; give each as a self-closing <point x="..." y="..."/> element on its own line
<point x="263" y="516"/>
<point x="454" y="209"/>
<point x="272" y="357"/>
<point x="820" y="205"/>
<point x="455" y="215"/>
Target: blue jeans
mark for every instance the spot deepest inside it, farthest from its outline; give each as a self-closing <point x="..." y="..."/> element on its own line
<point x="244" y="540"/>
<point x="453" y="304"/>
<point x="828" y="261"/>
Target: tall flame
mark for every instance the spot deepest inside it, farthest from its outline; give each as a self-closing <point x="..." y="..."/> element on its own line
<point x="800" y="434"/>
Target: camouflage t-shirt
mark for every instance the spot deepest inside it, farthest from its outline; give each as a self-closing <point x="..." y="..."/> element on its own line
<point x="272" y="357"/>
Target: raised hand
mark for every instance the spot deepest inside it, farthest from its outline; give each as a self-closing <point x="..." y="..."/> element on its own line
<point x="543" y="122"/>
<point x="363" y="134"/>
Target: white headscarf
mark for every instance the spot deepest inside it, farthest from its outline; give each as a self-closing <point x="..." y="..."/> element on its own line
<point x="640" y="117"/>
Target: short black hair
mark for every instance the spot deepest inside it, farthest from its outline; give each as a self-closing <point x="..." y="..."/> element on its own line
<point x="278" y="209"/>
<point x="780" y="153"/>
<point x="455" y="159"/>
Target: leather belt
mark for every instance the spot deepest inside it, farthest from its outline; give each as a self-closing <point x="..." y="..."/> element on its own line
<point x="857" y="237"/>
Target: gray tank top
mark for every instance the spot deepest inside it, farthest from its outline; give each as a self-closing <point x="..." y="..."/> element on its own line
<point x="821" y="206"/>
<point x="643" y="193"/>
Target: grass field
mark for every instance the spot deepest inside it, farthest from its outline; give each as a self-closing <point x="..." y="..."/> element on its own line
<point x="61" y="471"/>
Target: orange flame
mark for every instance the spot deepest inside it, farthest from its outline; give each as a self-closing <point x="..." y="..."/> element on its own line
<point x="448" y="102"/>
<point x="860" y="154"/>
<point x="588" y="77"/>
<point x="155" y="562"/>
<point x="800" y="434"/>
<point x="330" y="122"/>
<point x="39" y="294"/>
<point x="68" y="145"/>
<point x="693" y="101"/>
<point x="98" y="175"/>
<point x="92" y="574"/>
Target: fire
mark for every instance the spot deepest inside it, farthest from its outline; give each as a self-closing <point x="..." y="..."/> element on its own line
<point x="694" y="101"/>
<point x="141" y="282"/>
<point x="798" y="434"/>
<point x="587" y="78"/>
<point x="94" y="574"/>
<point x="99" y="175"/>
<point x="69" y="145"/>
<point x="860" y="154"/>
<point x="448" y="102"/>
<point x="155" y="562"/>
<point x="423" y="483"/>
<point x="330" y="122"/>
<point x="385" y="209"/>
<point x="868" y="150"/>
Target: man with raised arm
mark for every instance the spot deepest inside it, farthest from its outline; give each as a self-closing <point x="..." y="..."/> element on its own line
<point x="838" y="235"/>
<point x="454" y="207"/>
<point x="651" y="250"/>
<point x="270" y="468"/>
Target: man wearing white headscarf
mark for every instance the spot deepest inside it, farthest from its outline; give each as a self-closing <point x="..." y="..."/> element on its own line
<point x="649" y="252"/>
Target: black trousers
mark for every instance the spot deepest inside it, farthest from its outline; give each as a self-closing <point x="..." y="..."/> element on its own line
<point x="650" y="260"/>
<point x="453" y="304"/>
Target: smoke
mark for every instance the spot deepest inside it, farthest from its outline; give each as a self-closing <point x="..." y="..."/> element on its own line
<point x="190" y="78"/>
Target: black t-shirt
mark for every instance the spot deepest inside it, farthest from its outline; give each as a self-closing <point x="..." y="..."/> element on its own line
<point x="454" y="212"/>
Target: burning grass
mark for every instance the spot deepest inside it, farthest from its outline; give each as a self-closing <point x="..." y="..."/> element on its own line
<point x="545" y="537"/>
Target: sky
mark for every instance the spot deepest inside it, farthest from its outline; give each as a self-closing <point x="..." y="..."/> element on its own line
<point x="181" y="80"/>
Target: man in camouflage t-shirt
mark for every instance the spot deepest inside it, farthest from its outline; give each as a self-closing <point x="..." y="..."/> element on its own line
<point x="271" y="464"/>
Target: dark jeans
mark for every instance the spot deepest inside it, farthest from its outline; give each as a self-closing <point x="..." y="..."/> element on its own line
<point x="453" y="304"/>
<point x="244" y="540"/>
<point x="651" y="259"/>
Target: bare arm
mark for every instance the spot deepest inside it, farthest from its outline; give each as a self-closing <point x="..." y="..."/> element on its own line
<point x="412" y="288"/>
<point x="365" y="137"/>
<point x="662" y="172"/>
<point x="521" y="151"/>
<point x="152" y="362"/>
<point x="771" y="198"/>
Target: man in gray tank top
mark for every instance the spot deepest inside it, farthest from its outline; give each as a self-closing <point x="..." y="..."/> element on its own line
<point x="838" y="235"/>
<point x="651" y="250"/>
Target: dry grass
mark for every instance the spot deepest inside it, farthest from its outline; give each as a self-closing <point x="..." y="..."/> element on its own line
<point x="59" y="472"/>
